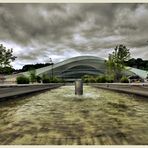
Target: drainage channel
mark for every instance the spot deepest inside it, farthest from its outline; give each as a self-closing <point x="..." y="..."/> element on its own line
<point x="59" y="117"/>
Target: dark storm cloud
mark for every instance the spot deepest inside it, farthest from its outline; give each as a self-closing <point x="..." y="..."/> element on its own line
<point x="54" y="29"/>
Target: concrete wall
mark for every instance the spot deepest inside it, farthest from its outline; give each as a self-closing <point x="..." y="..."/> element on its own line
<point x="140" y="89"/>
<point x="10" y="91"/>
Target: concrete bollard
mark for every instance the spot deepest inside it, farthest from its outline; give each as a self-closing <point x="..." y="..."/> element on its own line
<point x="78" y="87"/>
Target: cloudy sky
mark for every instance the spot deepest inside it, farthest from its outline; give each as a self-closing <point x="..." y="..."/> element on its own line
<point x="38" y="32"/>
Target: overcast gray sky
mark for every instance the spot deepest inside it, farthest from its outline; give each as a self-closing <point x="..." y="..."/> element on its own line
<point x="38" y="32"/>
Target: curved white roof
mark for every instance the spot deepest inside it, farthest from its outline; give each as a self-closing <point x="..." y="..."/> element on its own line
<point x="92" y="61"/>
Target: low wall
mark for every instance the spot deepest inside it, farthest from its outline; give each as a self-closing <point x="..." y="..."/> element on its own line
<point x="14" y="90"/>
<point x="140" y="89"/>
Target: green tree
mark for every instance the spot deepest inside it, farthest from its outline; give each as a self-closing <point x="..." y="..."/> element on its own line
<point x="116" y="61"/>
<point x="33" y="77"/>
<point x="110" y="65"/>
<point x="6" y="57"/>
<point x="6" y="70"/>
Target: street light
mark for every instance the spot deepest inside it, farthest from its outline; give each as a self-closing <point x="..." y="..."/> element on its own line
<point x="51" y="62"/>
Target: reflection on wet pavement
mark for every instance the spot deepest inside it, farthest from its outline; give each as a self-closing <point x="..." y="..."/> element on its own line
<point x="60" y="117"/>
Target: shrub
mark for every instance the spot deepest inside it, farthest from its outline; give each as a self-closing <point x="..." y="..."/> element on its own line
<point x="53" y="80"/>
<point x="57" y="80"/>
<point x="38" y="79"/>
<point x="101" y="79"/>
<point x="47" y="79"/>
<point x="92" y="79"/>
<point x="109" y="79"/>
<point x="89" y="79"/>
<point x="124" y="80"/>
<point x="98" y="79"/>
<point x="85" y="78"/>
<point x="22" y="80"/>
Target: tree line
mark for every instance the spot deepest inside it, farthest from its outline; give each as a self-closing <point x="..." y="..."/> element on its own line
<point x="137" y="63"/>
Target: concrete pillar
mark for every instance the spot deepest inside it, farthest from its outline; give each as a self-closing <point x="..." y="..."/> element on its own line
<point x="78" y="87"/>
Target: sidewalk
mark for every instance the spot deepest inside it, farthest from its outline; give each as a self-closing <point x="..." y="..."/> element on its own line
<point x="11" y="91"/>
<point x="140" y="89"/>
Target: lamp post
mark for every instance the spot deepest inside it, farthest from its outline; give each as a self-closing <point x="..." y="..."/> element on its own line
<point x="51" y="62"/>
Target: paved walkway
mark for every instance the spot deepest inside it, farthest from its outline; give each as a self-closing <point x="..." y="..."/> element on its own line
<point x="137" y="89"/>
<point x="9" y="91"/>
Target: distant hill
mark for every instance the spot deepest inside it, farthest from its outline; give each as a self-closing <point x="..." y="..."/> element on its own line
<point x="137" y="63"/>
<point x="34" y="66"/>
<point x="31" y="66"/>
